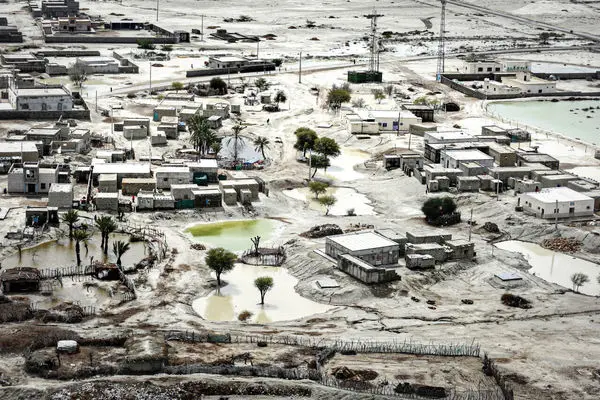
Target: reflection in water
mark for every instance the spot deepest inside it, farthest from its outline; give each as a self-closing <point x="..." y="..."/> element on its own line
<point x="342" y="167"/>
<point x="555" y="267"/>
<point x="61" y="253"/>
<point x="281" y="303"/>
<point x="234" y="235"/>
<point x="346" y="198"/>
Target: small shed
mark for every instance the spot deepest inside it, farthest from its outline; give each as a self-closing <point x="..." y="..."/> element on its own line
<point x="107" y="201"/>
<point x="22" y="279"/>
<point x="60" y="195"/>
<point x="38" y="216"/>
<point x="207" y="198"/>
<point x="230" y="196"/>
<point x="419" y="261"/>
<point x="215" y="121"/>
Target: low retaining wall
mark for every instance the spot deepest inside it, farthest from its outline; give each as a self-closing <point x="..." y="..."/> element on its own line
<point x="223" y="71"/>
<point x="44" y="115"/>
<point x="109" y="39"/>
<point x="68" y="53"/>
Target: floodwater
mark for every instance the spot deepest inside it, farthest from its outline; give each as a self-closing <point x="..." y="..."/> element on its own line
<point x="555" y="267"/>
<point x="246" y="149"/>
<point x="281" y="302"/>
<point x="564" y="117"/>
<point x="346" y="198"/>
<point x="234" y="235"/>
<point x="61" y="253"/>
<point x="342" y="167"/>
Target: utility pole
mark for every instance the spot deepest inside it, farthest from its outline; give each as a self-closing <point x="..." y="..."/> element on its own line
<point x="202" y="29"/>
<point x="96" y="102"/>
<point x="442" y="44"/>
<point x="157" y="10"/>
<point x="470" y="224"/>
<point x="409" y="137"/>
<point x="150" y="63"/>
<point x="309" y="163"/>
<point x="257" y="48"/>
<point x="300" y="69"/>
<point x="498" y="186"/>
<point x="556" y="216"/>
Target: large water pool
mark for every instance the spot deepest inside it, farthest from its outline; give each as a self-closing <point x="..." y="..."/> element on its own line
<point x="234" y="235"/>
<point x="565" y="117"/>
<point x="281" y="303"/>
<point x="555" y="267"/>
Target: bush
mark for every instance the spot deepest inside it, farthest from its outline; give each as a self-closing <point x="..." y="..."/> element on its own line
<point x="245" y="315"/>
<point x="131" y="96"/>
<point x="512" y="300"/>
<point x="219" y="85"/>
<point x="440" y="211"/>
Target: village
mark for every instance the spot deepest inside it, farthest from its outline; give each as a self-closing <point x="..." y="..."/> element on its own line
<point x="232" y="201"/>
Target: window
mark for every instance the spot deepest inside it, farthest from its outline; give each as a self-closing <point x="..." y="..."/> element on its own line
<point x="480" y="69"/>
<point x="59" y="106"/>
<point x="165" y="179"/>
<point x="42" y="186"/>
<point x="24" y="106"/>
<point x="44" y="107"/>
<point x="489" y="69"/>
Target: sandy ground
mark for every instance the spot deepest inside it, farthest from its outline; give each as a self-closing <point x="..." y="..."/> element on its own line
<point x="550" y="351"/>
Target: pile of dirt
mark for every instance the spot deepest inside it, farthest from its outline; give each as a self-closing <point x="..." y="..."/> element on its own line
<point x="320" y="231"/>
<point x="14" y="310"/>
<point x="357" y="375"/>
<point x="64" y="312"/>
<point x="433" y="392"/>
<point x="565" y="245"/>
<point x="198" y="246"/>
<point x="358" y="227"/>
<point x="491" y="227"/>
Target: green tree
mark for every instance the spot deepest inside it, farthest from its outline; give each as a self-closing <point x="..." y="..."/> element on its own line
<point x="435" y="207"/>
<point x="70" y="218"/>
<point x="261" y="84"/>
<point x="119" y="248"/>
<point x="216" y="147"/>
<point x="177" y="86"/>
<point x="389" y="90"/>
<point x="378" y="95"/>
<point x="277" y="62"/>
<point x="327" y="201"/>
<point x="317" y="188"/>
<point x="305" y="139"/>
<point x="280" y="97"/>
<point x="77" y="74"/>
<point x="327" y="147"/>
<point x="238" y="141"/>
<point x="319" y="161"/>
<point x="202" y="135"/>
<point x="219" y="85"/>
<point x="579" y="279"/>
<point x="107" y="225"/>
<point x="544" y="36"/>
<point x="336" y="97"/>
<point x="79" y="235"/>
<point x="263" y="284"/>
<point x="145" y="44"/>
<point x="220" y="261"/>
<point x="260" y="143"/>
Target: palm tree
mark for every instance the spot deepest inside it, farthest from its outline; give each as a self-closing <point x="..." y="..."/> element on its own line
<point x="119" y="248"/>
<point x="70" y="218"/>
<point x="79" y="235"/>
<point x="261" y="142"/>
<point x="238" y="142"/>
<point x="201" y="134"/>
<point x="107" y="226"/>
<point x="216" y="147"/>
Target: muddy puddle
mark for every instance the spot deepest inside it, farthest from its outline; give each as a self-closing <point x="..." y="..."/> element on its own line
<point x="556" y="267"/>
<point x="281" y="303"/>
<point x="347" y="198"/>
<point x="61" y="253"/>
<point x="342" y="167"/>
<point x="235" y="235"/>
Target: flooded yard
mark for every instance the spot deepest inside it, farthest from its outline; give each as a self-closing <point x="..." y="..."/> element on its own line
<point x="347" y="198"/>
<point x="61" y="253"/>
<point x="556" y="267"/>
<point x="281" y="303"/>
<point x="342" y="167"/>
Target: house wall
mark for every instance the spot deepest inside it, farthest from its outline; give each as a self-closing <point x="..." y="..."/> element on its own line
<point x="548" y="210"/>
<point x="40" y="103"/>
<point x="164" y="180"/>
<point x="60" y="199"/>
<point x="16" y="183"/>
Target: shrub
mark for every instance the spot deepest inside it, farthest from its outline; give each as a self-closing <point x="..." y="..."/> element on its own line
<point x="440" y="211"/>
<point x="245" y="315"/>
<point x="512" y="300"/>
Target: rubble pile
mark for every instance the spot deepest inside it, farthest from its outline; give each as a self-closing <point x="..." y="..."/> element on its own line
<point x="320" y="231"/>
<point x="564" y="245"/>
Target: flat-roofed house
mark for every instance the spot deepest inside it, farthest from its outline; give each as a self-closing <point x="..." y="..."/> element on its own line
<point x="560" y="202"/>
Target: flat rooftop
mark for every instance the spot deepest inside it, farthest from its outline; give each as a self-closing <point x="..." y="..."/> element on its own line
<point x="450" y="135"/>
<point x="17" y="147"/>
<point x="362" y="241"/>
<point x="61" y="188"/>
<point x="204" y="163"/>
<point x="47" y="92"/>
<point x="468" y="154"/>
<point x="535" y="157"/>
<point x="560" y="194"/>
<point x="121" y="168"/>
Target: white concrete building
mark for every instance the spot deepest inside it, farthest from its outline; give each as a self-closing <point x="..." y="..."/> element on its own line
<point x="40" y="99"/>
<point x="481" y="67"/>
<point x="375" y="121"/>
<point x="30" y="178"/>
<point x="167" y="176"/>
<point x="60" y="195"/>
<point x="515" y="65"/>
<point x="26" y="150"/>
<point x="530" y="84"/>
<point x="558" y="202"/>
<point x="434" y="137"/>
<point x="493" y="87"/>
<point x="454" y="158"/>
<point x="98" y="65"/>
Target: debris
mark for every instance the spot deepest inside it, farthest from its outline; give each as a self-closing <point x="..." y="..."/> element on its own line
<point x="565" y="245"/>
<point x="413" y="298"/>
<point x="466" y="301"/>
<point x="67" y="346"/>
<point x="320" y="231"/>
<point x="198" y="246"/>
<point x="512" y="300"/>
<point x="491" y="227"/>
